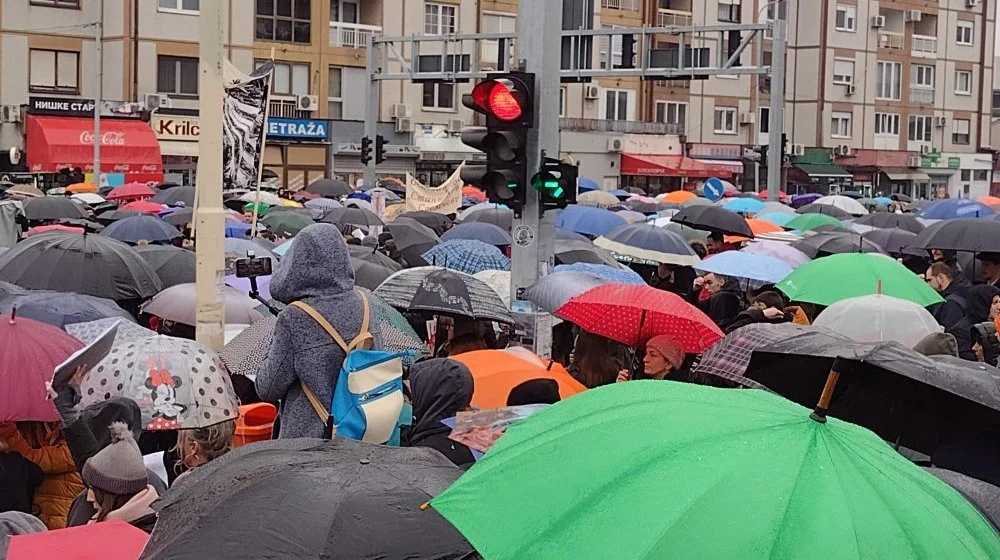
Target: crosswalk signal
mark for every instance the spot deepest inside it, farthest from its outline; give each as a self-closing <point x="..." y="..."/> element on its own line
<point x="507" y="100"/>
<point x="366" y="150"/>
<point x="380" y="149"/>
<point x="556" y="183"/>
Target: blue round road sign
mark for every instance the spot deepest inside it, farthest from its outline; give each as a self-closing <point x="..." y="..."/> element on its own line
<point x="714" y="189"/>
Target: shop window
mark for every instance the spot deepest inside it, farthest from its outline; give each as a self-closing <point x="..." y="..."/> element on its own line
<point x="439" y="95"/>
<point x="53" y="71"/>
<point x="177" y="75"/>
<point x="284" y="20"/>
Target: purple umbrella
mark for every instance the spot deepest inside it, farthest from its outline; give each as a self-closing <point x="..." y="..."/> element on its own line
<point x="801" y="200"/>
<point x="776" y="249"/>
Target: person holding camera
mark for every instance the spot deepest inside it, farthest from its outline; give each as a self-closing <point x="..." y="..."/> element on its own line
<point x="971" y="328"/>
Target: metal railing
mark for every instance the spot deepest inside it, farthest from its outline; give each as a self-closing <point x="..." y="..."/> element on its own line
<point x="668" y="18"/>
<point x="630" y="5"/>
<point x="921" y="94"/>
<point x="924" y="45"/>
<point x="351" y="35"/>
<point x="891" y="40"/>
<point x="621" y="127"/>
<point x="286" y="108"/>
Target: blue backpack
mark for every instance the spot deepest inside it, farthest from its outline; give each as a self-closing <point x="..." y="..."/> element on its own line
<point x="368" y="397"/>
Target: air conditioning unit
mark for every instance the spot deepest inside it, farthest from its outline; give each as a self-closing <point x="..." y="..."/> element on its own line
<point x="748" y="118"/>
<point x="156" y="101"/>
<point x="591" y="91"/>
<point x="307" y="103"/>
<point x="878" y="22"/>
<point x="843" y="151"/>
<point x="924" y="149"/>
<point x="404" y="124"/>
<point x="940" y="122"/>
<point x="798" y="149"/>
<point x="10" y="113"/>
<point x="851" y="89"/>
<point x="913" y="161"/>
<point x="455" y="126"/>
<point x="402" y="111"/>
<point x="614" y="145"/>
<point x="973" y="3"/>
<point x="913" y="16"/>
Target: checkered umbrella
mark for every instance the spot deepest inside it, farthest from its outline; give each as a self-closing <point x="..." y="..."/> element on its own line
<point x="730" y="357"/>
<point x="246" y="353"/>
<point x="438" y="290"/>
<point x="467" y="255"/>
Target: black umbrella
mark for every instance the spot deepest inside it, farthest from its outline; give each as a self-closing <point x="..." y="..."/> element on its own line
<point x="501" y="217"/>
<point x="61" y="309"/>
<point x="52" y="208"/>
<point x="352" y="217"/>
<point x="889" y="220"/>
<point x="180" y="217"/>
<point x="900" y="197"/>
<point x="330" y="188"/>
<point x="714" y="219"/>
<point x="983" y="495"/>
<point x="141" y="228"/>
<point x="368" y="274"/>
<point x="892" y="240"/>
<point x="87" y="264"/>
<point x="828" y="209"/>
<point x="571" y="251"/>
<point x="831" y="228"/>
<point x="351" y="500"/>
<point x="831" y="243"/>
<point x="173" y="265"/>
<point x="411" y="236"/>
<point x="176" y="196"/>
<point x="437" y="222"/>
<point x="979" y="235"/>
<point x="370" y="255"/>
<point x="115" y="215"/>
<point x="392" y="185"/>
<point x="437" y="290"/>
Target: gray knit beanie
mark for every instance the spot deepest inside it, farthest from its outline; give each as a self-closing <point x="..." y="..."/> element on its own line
<point x="118" y="468"/>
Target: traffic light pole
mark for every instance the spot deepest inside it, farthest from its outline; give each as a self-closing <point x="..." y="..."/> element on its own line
<point x="776" y="116"/>
<point x="371" y="108"/>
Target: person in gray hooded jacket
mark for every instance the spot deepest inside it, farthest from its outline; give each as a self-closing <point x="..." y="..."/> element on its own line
<point x="317" y="271"/>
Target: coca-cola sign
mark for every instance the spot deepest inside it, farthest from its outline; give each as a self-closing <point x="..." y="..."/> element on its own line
<point x="107" y="138"/>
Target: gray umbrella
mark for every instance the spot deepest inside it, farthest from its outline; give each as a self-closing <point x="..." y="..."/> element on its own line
<point x="570" y="251"/>
<point x="479" y="231"/>
<point x="824" y="244"/>
<point x="178" y="303"/>
<point x="176" y="196"/>
<point x="141" y="228"/>
<point x="553" y="290"/>
<point x="245" y="353"/>
<point x="369" y="254"/>
<point x="438" y="290"/>
<point x="61" y="309"/>
<point x="330" y="188"/>
<point x="173" y="265"/>
<point x="368" y="274"/>
<point x="180" y="217"/>
<point x="352" y="217"/>
<point x="501" y="217"/>
<point x="239" y="248"/>
<point x="86" y="264"/>
<point x="52" y="208"/>
<point x="983" y="495"/>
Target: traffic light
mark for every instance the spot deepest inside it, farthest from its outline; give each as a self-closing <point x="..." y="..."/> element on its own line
<point x="556" y="183"/>
<point x="379" y="149"/>
<point x="366" y="150"/>
<point x="507" y="100"/>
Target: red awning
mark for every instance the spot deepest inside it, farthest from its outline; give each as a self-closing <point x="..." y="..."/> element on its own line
<point x="669" y="166"/>
<point x="127" y="146"/>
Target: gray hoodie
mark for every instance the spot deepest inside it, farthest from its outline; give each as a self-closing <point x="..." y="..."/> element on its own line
<point x="317" y="270"/>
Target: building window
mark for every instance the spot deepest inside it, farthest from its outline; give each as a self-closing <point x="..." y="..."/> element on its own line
<point x="497" y="23"/>
<point x="289" y="78"/>
<point x="966" y="175"/>
<point x="846" y="18"/>
<point x="843" y="72"/>
<point x="562" y="102"/>
<point x="920" y="128"/>
<point x="960" y="132"/>
<point x="284" y="20"/>
<point x="671" y="113"/>
<point x="183" y="6"/>
<point x="616" y="49"/>
<point x="887" y="80"/>
<point x="774" y="11"/>
<point x="344" y="11"/>
<point x="177" y="75"/>
<point x="980" y="175"/>
<point x="730" y="11"/>
<point x="887" y="124"/>
<point x="996" y="103"/>
<point x="53" y="71"/>
<point x="840" y="125"/>
<point x="439" y="95"/>
<point x="616" y="105"/>
<point x="963" y="34"/>
<point x="56" y="3"/>
<point x="963" y="82"/>
<point x="923" y="76"/>
<point x="764" y="120"/>
<point x="335" y="94"/>
<point x="439" y="19"/>
<point x="725" y="120"/>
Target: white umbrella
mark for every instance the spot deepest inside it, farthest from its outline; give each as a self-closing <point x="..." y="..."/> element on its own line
<point x="93" y="199"/>
<point x="268" y="198"/>
<point x="177" y="303"/>
<point x="845" y="203"/>
<point x="879" y="318"/>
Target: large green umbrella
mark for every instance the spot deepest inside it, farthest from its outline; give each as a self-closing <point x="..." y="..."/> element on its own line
<point x="812" y="221"/>
<point x="837" y="277"/>
<point x="286" y="223"/>
<point x="657" y="469"/>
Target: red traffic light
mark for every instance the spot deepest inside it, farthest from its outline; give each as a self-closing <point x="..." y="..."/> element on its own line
<point x="497" y="98"/>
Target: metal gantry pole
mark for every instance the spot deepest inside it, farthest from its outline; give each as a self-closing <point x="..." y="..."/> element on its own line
<point x="371" y="108"/>
<point x="99" y="53"/>
<point x="210" y="215"/>
<point x="776" y="120"/>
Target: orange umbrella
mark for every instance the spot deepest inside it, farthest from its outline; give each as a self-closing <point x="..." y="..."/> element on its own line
<point x="757" y="227"/>
<point x="496" y="372"/>
<point x="468" y="191"/>
<point x="78" y="188"/>
<point x="989" y="200"/>
<point x="679" y="197"/>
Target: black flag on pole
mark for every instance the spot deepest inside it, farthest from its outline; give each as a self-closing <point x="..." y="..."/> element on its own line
<point x="244" y="112"/>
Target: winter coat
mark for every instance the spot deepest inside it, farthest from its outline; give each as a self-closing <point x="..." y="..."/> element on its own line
<point x="62" y="483"/>
<point x="979" y="298"/>
<point x="953" y="308"/>
<point x="19" y="478"/>
<point x="317" y="270"/>
<point x="439" y="389"/>
<point x="723" y="306"/>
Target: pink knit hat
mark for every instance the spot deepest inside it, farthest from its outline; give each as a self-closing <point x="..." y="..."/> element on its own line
<point x="669" y="348"/>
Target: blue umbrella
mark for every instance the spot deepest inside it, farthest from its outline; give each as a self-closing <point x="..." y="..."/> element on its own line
<point x="778" y="218"/>
<point x="467" y="255"/>
<point x="952" y="208"/>
<point x="744" y="205"/>
<point x="588" y="220"/>
<point x="750" y="266"/>
<point x="583" y="184"/>
<point x="490" y="234"/>
<point x="280" y="250"/>
<point x="618" y="275"/>
<point x="141" y="228"/>
<point x="800" y="200"/>
<point x="237" y="229"/>
<point x="884" y="200"/>
<point x="553" y="290"/>
<point x="360" y="196"/>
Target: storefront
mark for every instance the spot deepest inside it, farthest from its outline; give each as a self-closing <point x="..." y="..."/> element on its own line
<point x="725" y="156"/>
<point x="297" y="150"/>
<point x="178" y="137"/>
<point x="665" y="173"/>
<point x="440" y="156"/>
<point x="816" y="172"/>
<point x="59" y="134"/>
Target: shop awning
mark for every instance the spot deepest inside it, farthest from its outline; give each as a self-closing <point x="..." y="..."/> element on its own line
<point x="903" y="174"/>
<point x="735" y="167"/>
<point x="127" y="146"/>
<point x="824" y="170"/>
<point x="669" y="166"/>
<point x="177" y="148"/>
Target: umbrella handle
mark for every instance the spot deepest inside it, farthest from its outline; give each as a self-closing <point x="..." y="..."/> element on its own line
<point x="13" y="314"/>
<point x="819" y="413"/>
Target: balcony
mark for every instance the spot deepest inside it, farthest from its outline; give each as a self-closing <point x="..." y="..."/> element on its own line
<point x="669" y="18"/>
<point x="621" y="127"/>
<point x="891" y="40"/>
<point x="351" y="35"/>
<point x="628" y="5"/>
<point x="924" y="46"/>
<point x="286" y="108"/>
<point x="921" y="94"/>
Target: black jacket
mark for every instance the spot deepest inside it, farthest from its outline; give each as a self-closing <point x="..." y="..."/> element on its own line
<point x="953" y="309"/>
<point x="750" y="316"/>
<point x="440" y="388"/>
<point x="979" y="299"/>
<point x="19" y="478"/>
<point x="723" y="307"/>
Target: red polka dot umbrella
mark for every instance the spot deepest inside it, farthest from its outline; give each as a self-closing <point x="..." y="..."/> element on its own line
<point x="632" y="314"/>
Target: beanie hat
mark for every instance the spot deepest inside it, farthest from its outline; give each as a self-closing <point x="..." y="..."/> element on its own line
<point x="669" y="348"/>
<point x="937" y="344"/>
<point x="118" y="468"/>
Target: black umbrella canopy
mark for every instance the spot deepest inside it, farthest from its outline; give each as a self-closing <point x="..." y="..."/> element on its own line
<point x="368" y="274"/>
<point x="501" y="217"/>
<point x="827" y="209"/>
<point x="348" y="499"/>
<point x="173" y="265"/>
<point x="437" y="290"/>
<point x="369" y="254"/>
<point x="180" y="218"/>
<point x="979" y="235"/>
<point x="52" y="208"/>
<point x="889" y="220"/>
<point x="87" y="264"/>
<point x="61" y="309"/>
<point x="646" y="207"/>
<point x="176" y="196"/>
<point x="437" y="222"/>
<point x="409" y="233"/>
<point x="713" y="219"/>
<point x="571" y="251"/>
<point x="352" y="217"/>
<point x="831" y="243"/>
<point x="894" y="240"/>
<point x="115" y="215"/>
<point x="983" y="495"/>
<point x="329" y="188"/>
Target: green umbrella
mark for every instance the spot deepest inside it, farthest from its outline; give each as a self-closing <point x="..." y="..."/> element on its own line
<point x="831" y="279"/>
<point x="812" y="221"/>
<point x="286" y="223"/>
<point x="658" y="469"/>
